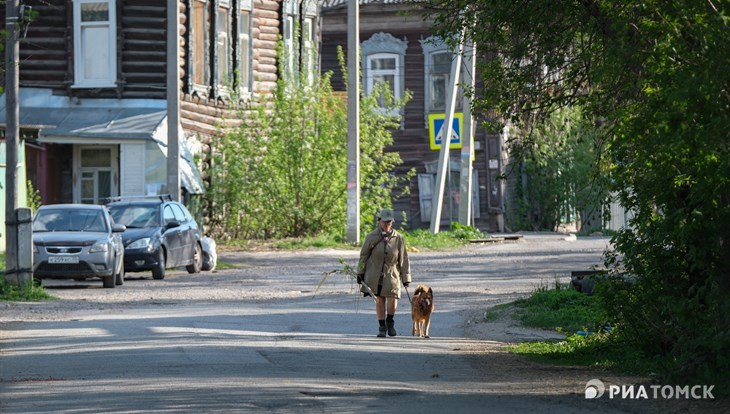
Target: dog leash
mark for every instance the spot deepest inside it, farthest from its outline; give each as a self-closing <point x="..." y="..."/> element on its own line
<point x="409" y="295"/>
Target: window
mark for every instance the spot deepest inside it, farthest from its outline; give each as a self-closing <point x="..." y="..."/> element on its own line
<point x="95" y="47"/>
<point x="383" y="61"/>
<point x="199" y="73"/>
<point x="243" y="47"/>
<point x="437" y="72"/>
<point x="222" y="47"/>
<point x="179" y="215"/>
<point x="168" y="215"/>
<point x="291" y="13"/>
<point x="219" y="47"/>
<point x="383" y="67"/>
<point x="299" y="36"/>
<point x="308" y="47"/>
<point x="96" y="173"/>
<point x="291" y="57"/>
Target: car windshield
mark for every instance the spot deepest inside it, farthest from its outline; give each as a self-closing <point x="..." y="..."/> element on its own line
<point x="69" y="220"/>
<point x="135" y="216"/>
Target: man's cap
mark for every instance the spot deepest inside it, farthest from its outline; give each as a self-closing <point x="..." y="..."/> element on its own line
<point x="386" y="215"/>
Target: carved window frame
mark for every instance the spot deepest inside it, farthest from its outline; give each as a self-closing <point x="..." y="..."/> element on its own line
<point x="383" y="46"/>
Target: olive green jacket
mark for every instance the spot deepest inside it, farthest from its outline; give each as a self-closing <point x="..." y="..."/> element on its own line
<point x="386" y="256"/>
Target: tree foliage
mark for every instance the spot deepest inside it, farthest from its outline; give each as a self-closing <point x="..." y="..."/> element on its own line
<point x="563" y="185"/>
<point x="655" y="74"/>
<point x="283" y="172"/>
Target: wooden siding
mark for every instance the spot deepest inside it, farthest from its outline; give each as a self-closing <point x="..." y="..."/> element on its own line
<point x="412" y="141"/>
<point x="46" y="53"/>
<point x="206" y="118"/>
<point x="143" y="28"/>
<point x="44" y="59"/>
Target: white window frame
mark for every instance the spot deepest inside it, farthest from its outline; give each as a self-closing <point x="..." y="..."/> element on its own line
<point x="384" y="45"/>
<point x="222" y="80"/>
<point x="245" y="60"/>
<point x="290" y="11"/>
<point x="80" y="54"/>
<point x="79" y="170"/>
<point x="299" y="36"/>
<point x="373" y="74"/>
<point x="433" y="46"/>
<point x="308" y="49"/>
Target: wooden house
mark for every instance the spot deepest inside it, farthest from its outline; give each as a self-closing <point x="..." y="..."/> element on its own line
<point x="396" y="45"/>
<point x="93" y="78"/>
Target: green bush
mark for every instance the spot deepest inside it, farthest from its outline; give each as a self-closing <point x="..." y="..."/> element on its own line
<point x="463" y="232"/>
<point x="283" y="172"/>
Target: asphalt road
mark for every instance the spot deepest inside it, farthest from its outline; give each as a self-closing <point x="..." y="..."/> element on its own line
<point x="264" y="337"/>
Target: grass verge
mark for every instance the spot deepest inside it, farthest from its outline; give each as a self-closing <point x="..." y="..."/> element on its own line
<point x="420" y="239"/>
<point x="29" y="292"/>
<point x="589" y="339"/>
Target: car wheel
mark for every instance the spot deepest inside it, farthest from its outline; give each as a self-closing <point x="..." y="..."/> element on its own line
<point x="120" y="274"/>
<point x="207" y="262"/>
<point x="158" y="272"/>
<point x="197" y="260"/>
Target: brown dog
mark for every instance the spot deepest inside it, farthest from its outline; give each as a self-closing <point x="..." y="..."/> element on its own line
<point x="421" y="310"/>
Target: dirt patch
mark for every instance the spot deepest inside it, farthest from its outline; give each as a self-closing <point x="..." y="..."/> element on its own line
<point x="504" y="328"/>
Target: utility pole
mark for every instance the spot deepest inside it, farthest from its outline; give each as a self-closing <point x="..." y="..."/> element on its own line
<point x="448" y="129"/>
<point x="467" y="141"/>
<point x="173" y="100"/>
<point x="353" y="121"/>
<point x="12" y="131"/>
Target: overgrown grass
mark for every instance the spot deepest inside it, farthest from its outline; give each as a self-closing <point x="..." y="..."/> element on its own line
<point x="559" y="308"/>
<point x="420" y="239"/>
<point x="562" y="309"/>
<point x="318" y="242"/>
<point x="589" y="341"/>
<point x="603" y="349"/>
<point x="29" y="292"/>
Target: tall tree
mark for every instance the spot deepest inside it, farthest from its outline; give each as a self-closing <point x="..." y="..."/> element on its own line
<point x="655" y="73"/>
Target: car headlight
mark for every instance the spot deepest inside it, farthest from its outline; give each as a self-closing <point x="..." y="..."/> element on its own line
<point x="100" y="246"/>
<point x="36" y="250"/>
<point x="144" y="243"/>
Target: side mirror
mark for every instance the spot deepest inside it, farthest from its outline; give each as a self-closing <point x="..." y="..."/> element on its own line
<point x="172" y="224"/>
<point x="118" y="228"/>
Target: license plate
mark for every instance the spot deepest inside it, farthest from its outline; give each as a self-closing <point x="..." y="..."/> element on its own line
<point x="63" y="259"/>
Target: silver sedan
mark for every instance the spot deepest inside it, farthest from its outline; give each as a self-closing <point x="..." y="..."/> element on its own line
<point x="77" y="241"/>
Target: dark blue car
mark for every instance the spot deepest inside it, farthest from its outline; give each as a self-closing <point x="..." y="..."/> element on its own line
<point x="161" y="234"/>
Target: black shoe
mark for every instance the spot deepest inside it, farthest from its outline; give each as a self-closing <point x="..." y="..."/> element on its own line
<point x="381" y="332"/>
<point x="391" y="328"/>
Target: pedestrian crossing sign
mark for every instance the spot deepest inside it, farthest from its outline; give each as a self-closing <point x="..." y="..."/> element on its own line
<point x="436" y="130"/>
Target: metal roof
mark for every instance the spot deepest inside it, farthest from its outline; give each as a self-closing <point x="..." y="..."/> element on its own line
<point x="328" y="4"/>
<point x="97" y="121"/>
<point x="90" y="123"/>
